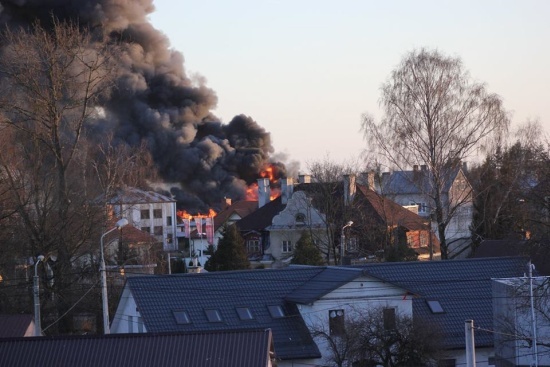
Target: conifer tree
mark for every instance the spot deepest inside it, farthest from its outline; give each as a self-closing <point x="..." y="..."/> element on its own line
<point x="230" y="254"/>
<point x="305" y="252"/>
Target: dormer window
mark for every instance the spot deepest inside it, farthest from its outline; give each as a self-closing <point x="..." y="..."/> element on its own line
<point x="300" y="219"/>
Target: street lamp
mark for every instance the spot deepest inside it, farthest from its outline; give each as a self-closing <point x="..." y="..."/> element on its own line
<point x="343" y="241"/>
<point x="36" y="291"/>
<point x="121" y="223"/>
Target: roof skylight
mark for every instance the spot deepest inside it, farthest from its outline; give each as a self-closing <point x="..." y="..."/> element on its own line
<point x="435" y="306"/>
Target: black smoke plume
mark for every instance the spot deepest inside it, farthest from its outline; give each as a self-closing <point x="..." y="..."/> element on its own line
<point x="156" y="102"/>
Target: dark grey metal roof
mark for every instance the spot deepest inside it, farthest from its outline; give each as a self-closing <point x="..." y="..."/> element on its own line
<point x="462" y="287"/>
<point x="14" y="325"/>
<point x="235" y="348"/>
<point x="157" y="296"/>
<point x="322" y="283"/>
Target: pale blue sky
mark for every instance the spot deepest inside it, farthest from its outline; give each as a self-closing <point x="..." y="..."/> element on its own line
<point x="307" y="70"/>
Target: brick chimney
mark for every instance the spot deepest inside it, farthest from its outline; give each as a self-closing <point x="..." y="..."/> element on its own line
<point x="349" y="189"/>
<point x="264" y="192"/>
<point x="287" y="188"/>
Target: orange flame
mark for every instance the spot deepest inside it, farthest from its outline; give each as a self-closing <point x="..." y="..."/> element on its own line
<point x="183" y="214"/>
<point x="252" y="190"/>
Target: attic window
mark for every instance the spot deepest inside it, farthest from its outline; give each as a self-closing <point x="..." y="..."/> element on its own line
<point x="300" y="219"/>
<point x="244" y="313"/>
<point x="182" y="317"/>
<point x="213" y="315"/>
<point x="435" y="306"/>
<point x="276" y="311"/>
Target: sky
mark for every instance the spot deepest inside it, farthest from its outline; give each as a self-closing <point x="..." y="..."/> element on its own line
<point x="306" y="70"/>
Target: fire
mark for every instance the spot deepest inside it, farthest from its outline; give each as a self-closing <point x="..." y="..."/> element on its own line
<point x="183" y="214"/>
<point x="268" y="173"/>
<point x="252" y="190"/>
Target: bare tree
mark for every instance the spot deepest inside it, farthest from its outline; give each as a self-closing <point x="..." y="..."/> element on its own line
<point x="435" y="115"/>
<point x="372" y="338"/>
<point x="326" y="195"/>
<point x="52" y="81"/>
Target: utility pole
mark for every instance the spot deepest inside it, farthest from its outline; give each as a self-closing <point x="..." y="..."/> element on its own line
<point x="343" y="241"/>
<point x="36" y="291"/>
<point x="533" y="317"/>
<point x="470" y="344"/>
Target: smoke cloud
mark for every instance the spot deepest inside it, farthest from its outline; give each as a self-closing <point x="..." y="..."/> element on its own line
<point x="156" y="102"/>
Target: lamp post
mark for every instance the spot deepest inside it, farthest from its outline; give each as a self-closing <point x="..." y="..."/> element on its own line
<point x="121" y="223"/>
<point x="36" y="291"/>
<point x="343" y="241"/>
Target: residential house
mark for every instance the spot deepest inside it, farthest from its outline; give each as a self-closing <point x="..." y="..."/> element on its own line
<point x="16" y="325"/>
<point x="275" y="228"/>
<point x="415" y="188"/>
<point x="295" y="301"/>
<point x="146" y="210"/>
<point x="521" y="326"/>
<point x="233" y="348"/>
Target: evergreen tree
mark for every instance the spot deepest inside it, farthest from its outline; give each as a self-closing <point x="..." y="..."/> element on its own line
<point x="305" y="252"/>
<point x="230" y="254"/>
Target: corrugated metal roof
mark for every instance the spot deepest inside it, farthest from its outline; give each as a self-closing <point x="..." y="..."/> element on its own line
<point x="234" y="348"/>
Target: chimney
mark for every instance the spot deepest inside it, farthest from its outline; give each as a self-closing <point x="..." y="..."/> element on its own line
<point x="371" y="180"/>
<point x="423" y="167"/>
<point x="226" y="203"/>
<point x="415" y="168"/>
<point x="264" y="192"/>
<point x="304" y="179"/>
<point x="464" y="166"/>
<point x="349" y="189"/>
<point x="287" y="188"/>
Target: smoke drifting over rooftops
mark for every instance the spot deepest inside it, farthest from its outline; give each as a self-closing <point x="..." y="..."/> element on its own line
<point x="155" y="101"/>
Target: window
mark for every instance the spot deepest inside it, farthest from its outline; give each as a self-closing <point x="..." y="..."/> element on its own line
<point x="422" y="208"/>
<point x="244" y="313"/>
<point x="253" y="246"/>
<point x="169" y="238"/>
<point x="213" y="315"/>
<point x="287" y="246"/>
<point x="146" y="229"/>
<point x="424" y="239"/>
<point x="276" y="311"/>
<point x="389" y="319"/>
<point x="300" y="219"/>
<point x="351" y="244"/>
<point x="435" y="306"/>
<point x="157" y="230"/>
<point x="336" y="322"/>
<point x="182" y="317"/>
<point x="169" y="220"/>
<point x="144" y="213"/>
<point x="157" y="213"/>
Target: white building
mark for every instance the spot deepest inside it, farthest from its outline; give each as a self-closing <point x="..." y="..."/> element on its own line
<point x="149" y="211"/>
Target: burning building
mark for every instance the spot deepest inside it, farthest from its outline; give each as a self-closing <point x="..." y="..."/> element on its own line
<point x="155" y="102"/>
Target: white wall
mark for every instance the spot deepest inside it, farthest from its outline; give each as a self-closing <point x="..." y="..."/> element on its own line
<point x="127" y="319"/>
<point x="361" y="294"/>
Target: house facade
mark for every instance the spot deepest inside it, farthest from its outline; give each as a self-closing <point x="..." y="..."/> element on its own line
<point x="415" y="188"/>
<point x="148" y="211"/>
